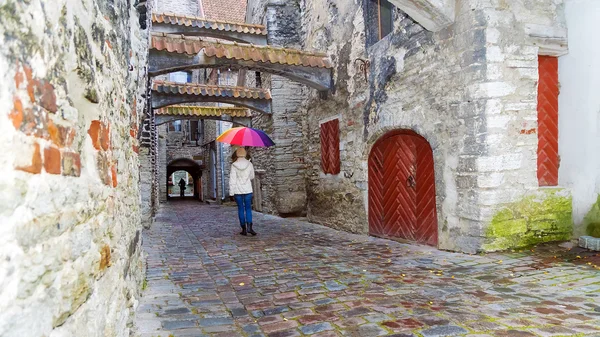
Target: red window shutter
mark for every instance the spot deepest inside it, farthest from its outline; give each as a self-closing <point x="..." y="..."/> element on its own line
<point x="330" y="147"/>
<point x="547" y="108"/>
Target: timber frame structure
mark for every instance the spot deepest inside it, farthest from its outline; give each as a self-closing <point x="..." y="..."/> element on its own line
<point x="169" y="53"/>
<point x="235" y="115"/>
<point x="180" y="43"/>
<point x="171" y="93"/>
<point x="194" y="26"/>
<point x="183" y="43"/>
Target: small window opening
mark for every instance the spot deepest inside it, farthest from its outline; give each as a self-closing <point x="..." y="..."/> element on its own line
<point x="177" y="126"/>
<point x="258" y="80"/>
<point x="194" y="131"/>
<point x="386" y="20"/>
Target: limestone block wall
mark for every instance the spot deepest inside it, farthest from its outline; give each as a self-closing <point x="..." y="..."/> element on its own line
<point x="225" y="158"/>
<point x="470" y="89"/>
<point x="146" y="178"/>
<point x="189" y="152"/>
<point x="161" y="162"/>
<point x="72" y="72"/>
<point x="212" y="165"/>
<point x="508" y="172"/>
<point x="283" y="184"/>
<point x="185" y="7"/>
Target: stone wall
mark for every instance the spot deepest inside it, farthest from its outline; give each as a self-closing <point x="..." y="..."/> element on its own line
<point x="469" y="89"/>
<point x="69" y="241"/>
<point x="161" y="162"/>
<point x="224" y="156"/>
<point x="283" y="184"/>
<point x="208" y="142"/>
<point x="211" y="131"/>
<point x="185" y="7"/>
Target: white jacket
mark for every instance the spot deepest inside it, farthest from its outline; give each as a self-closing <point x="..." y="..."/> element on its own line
<point x="240" y="176"/>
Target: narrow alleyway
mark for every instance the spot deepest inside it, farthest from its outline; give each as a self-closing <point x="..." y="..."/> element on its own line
<point x="297" y="279"/>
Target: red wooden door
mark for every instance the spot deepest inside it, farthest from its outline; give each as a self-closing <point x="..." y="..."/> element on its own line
<point x="548" y="160"/>
<point x="402" y="189"/>
<point x="427" y="228"/>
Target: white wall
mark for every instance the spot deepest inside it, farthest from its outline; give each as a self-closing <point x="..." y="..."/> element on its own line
<point x="579" y="107"/>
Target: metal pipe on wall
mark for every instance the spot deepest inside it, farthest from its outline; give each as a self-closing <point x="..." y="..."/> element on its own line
<point x="222" y="160"/>
<point x="200" y="9"/>
<point x="222" y="163"/>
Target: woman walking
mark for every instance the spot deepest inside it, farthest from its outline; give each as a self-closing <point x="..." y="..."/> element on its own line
<point x="240" y="187"/>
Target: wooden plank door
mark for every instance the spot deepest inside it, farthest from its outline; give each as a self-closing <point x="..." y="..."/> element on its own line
<point x="427" y="228"/>
<point x="402" y="189"/>
<point x="399" y="196"/>
<point x="548" y="160"/>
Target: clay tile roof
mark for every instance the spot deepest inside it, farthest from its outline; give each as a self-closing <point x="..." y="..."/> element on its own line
<point x="239" y="51"/>
<point x="209" y="90"/>
<point x="202" y="111"/>
<point x="232" y="10"/>
<point x="194" y="21"/>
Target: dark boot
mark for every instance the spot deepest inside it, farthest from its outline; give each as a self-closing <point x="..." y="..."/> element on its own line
<point x="244" y="230"/>
<point x="250" y="230"/>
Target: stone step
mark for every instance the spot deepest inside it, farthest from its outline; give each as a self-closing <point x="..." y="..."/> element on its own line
<point x="589" y="242"/>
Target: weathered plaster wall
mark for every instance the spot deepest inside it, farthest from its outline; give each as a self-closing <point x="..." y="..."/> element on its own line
<point x="185" y="7"/>
<point x="224" y="153"/>
<point x="161" y="162"/>
<point x="469" y="89"/>
<point x="71" y="73"/>
<point x="283" y="183"/>
<point x="211" y="176"/>
<point x="579" y="114"/>
<point x="256" y="11"/>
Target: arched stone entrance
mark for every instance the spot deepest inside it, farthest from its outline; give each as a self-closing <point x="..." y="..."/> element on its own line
<point x="190" y="166"/>
<point x="402" y="188"/>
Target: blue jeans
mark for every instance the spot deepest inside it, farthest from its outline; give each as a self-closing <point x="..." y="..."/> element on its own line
<point x="244" y="204"/>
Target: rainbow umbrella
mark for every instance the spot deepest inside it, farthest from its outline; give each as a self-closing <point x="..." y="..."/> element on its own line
<point x="244" y="136"/>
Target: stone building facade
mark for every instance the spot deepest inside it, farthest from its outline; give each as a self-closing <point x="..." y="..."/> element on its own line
<point x="461" y="78"/>
<point x="70" y="204"/>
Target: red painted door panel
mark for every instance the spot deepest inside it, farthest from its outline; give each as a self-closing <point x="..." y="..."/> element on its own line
<point x="402" y="189"/>
<point x="427" y="229"/>
<point x="547" y="160"/>
<point x="399" y="201"/>
<point x="376" y="190"/>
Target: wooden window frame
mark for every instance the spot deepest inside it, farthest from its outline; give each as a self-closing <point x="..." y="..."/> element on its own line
<point x="258" y="79"/>
<point x="379" y="20"/>
<point x="194" y="135"/>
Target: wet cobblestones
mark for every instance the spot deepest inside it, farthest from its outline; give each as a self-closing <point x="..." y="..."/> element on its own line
<point x="301" y="279"/>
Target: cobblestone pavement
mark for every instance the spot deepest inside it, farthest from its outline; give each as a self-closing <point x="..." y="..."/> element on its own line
<point x="301" y="279"/>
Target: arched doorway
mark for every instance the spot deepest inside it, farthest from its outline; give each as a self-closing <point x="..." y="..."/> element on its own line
<point x="176" y="179"/>
<point x="189" y="166"/>
<point x="402" y="188"/>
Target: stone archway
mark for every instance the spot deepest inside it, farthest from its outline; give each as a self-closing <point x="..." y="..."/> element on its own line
<point x="190" y="166"/>
<point x="402" y="200"/>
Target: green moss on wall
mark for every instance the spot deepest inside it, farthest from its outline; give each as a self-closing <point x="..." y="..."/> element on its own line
<point x="543" y="217"/>
<point x="591" y="221"/>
